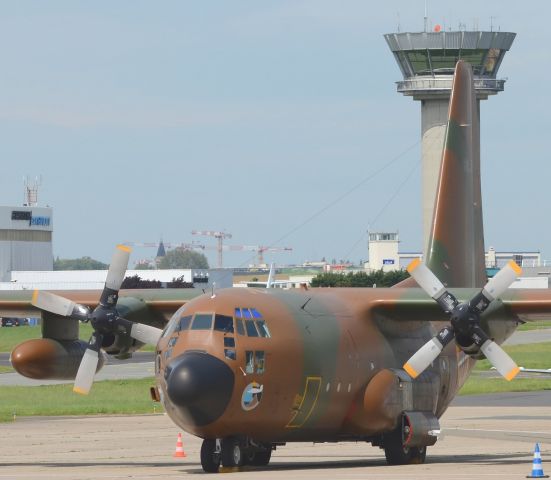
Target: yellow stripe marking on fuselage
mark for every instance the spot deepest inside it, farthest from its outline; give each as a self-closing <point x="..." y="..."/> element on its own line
<point x="309" y="381"/>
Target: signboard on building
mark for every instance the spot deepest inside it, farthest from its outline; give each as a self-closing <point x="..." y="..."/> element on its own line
<point x="388" y="261"/>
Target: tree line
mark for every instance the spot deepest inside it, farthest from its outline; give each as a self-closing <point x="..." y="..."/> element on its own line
<point x="359" y="279"/>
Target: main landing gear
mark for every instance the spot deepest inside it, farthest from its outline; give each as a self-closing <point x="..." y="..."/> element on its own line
<point x="397" y="453"/>
<point x="233" y="452"/>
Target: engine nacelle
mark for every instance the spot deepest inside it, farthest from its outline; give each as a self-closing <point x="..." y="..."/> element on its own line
<point x="44" y="358"/>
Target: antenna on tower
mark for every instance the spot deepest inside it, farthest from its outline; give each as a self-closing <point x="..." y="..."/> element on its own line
<point x="426" y="18"/>
<point x="398" y="26"/>
<point x="31" y="191"/>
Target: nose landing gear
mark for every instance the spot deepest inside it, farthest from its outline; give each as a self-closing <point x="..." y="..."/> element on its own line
<point x="233" y="452"/>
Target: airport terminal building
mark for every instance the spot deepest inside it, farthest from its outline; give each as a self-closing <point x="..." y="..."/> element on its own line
<point x="25" y="239"/>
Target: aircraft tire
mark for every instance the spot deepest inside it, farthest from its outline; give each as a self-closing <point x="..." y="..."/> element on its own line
<point x="397" y="454"/>
<point x="210" y="460"/>
<point x="260" y="459"/>
<point x="232" y="452"/>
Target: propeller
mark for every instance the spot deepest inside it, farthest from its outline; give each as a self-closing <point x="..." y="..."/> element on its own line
<point x="105" y="319"/>
<point x="465" y="320"/>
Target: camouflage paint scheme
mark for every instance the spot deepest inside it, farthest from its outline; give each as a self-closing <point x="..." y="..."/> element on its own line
<point x="334" y="357"/>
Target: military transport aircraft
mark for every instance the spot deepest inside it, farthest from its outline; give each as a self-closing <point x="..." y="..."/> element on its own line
<point x="249" y="370"/>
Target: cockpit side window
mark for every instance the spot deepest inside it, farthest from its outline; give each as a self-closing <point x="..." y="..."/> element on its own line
<point x="223" y="323"/>
<point x="263" y="328"/>
<point x="184" y="323"/>
<point x="240" y="327"/>
<point x="202" y="321"/>
<point x="260" y="362"/>
<point x="251" y="328"/>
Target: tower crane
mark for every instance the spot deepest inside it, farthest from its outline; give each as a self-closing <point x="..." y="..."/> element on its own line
<point x="220" y="236"/>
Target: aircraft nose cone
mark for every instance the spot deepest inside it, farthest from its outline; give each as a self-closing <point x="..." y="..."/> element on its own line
<point x="201" y="384"/>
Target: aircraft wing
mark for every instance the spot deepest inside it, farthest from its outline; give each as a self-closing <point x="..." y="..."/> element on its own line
<point x="17" y="303"/>
<point x="529" y="305"/>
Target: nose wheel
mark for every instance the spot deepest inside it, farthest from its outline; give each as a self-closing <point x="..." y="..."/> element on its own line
<point x="233" y="452"/>
<point x="210" y="455"/>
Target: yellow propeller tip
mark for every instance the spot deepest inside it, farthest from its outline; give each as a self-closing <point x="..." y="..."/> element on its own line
<point x="512" y="374"/>
<point x="410" y="370"/>
<point x="413" y="265"/>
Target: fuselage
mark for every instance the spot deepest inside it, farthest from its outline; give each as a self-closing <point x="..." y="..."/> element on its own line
<point x="313" y="364"/>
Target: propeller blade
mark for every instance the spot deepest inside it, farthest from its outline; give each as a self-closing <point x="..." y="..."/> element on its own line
<point x="496" y="286"/>
<point x="86" y="372"/>
<point x="53" y="303"/>
<point x="503" y="363"/>
<point x="421" y="359"/>
<point x="502" y="280"/>
<point x="429" y="282"/>
<point x="145" y="333"/>
<point x="117" y="267"/>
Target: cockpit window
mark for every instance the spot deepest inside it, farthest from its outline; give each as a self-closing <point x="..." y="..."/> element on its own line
<point x="184" y="323"/>
<point x="240" y="327"/>
<point x="202" y="321"/>
<point x="251" y="328"/>
<point x="263" y="328"/>
<point x="249" y="321"/>
<point x="223" y="323"/>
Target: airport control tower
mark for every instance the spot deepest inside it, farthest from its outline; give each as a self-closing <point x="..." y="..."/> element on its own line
<point x="427" y="61"/>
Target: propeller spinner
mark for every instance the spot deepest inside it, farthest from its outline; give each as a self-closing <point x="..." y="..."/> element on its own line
<point x="465" y="320"/>
<point x="104" y="318"/>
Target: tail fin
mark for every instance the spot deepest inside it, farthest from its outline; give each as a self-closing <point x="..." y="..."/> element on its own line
<point x="271" y="276"/>
<point x="456" y="245"/>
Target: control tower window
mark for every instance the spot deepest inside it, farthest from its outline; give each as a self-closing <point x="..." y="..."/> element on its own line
<point x="202" y="321"/>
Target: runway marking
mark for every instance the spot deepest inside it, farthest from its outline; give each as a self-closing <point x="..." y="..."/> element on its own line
<point x="495" y="431"/>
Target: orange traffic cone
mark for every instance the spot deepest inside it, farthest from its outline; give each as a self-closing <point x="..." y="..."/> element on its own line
<point x="179" y="453"/>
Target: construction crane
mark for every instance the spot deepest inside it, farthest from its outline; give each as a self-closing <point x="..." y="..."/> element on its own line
<point x="183" y="246"/>
<point x="260" y="249"/>
<point x="220" y="236"/>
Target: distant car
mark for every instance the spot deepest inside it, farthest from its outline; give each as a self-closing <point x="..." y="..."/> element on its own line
<point x="14" y="322"/>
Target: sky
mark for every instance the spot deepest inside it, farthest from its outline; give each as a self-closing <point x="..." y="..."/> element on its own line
<point x="276" y="121"/>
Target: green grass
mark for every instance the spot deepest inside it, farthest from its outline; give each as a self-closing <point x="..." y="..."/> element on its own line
<point x="6" y="369"/>
<point x="477" y="385"/>
<point x="106" y="397"/>
<point x="533" y="355"/>
<point x="534" y="325"/>
<point x="10" y="337"/>
<point x="530" y="355"/>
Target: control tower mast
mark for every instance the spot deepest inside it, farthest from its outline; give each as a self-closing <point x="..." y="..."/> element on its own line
<point x="427" y="61"/>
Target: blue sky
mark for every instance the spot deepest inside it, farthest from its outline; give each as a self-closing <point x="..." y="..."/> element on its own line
<point x="156" y="118"/>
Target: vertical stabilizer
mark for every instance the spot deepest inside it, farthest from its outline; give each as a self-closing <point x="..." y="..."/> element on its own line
<point x="456" y="246"/>
<point x="271" y="276"/>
